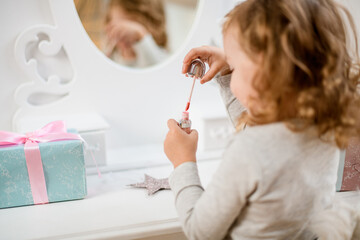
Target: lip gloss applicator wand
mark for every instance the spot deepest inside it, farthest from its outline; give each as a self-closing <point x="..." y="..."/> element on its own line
<point x="192" y="89"/>
<point x="196" y="70"/>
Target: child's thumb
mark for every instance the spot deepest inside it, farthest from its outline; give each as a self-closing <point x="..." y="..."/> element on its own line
<point x="172" y="124"/>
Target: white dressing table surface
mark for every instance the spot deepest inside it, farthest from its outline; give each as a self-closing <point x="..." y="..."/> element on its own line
<point x="111" y="210"/>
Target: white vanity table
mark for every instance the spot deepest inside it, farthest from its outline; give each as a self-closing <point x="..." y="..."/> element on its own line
<point x="110" y="211"/>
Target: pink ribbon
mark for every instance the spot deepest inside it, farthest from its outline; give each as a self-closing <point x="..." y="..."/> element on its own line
<point x="54" y="131"/>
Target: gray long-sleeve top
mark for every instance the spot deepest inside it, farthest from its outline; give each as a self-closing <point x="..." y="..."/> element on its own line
<point x="268" y="185"/>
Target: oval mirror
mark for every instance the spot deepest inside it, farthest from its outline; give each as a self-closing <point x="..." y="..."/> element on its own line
<point x="137" y="33"/>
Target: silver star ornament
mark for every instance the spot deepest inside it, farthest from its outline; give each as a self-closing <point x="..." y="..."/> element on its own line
<point x="152" y="184"/>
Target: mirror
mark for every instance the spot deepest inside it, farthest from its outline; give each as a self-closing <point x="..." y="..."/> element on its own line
<point x="137" y="33"/>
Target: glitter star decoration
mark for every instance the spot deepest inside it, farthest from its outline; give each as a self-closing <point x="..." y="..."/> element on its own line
<point x="152" y="184"/>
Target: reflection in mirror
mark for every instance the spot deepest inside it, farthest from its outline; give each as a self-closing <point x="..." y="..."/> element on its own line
<point x="137" y="33"/>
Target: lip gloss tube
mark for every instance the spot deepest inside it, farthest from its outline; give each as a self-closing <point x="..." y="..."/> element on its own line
<point x="185" y="122"/>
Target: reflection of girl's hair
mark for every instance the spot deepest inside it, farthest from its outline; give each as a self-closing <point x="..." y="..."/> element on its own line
<point x="305" y="56"/>
<point x="91" y="14"/>
<point x="149" y="13"/>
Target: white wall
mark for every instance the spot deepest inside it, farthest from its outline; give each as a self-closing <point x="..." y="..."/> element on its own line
<point x="136" y="104"/>
<point x="15" y="16"/>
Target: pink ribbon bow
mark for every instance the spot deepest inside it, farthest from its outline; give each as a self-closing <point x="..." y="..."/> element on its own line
<point x="54" y="131"/>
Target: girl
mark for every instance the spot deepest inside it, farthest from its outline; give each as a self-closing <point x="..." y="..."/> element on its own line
<point x="136" y="32"/>
<point x="292" y="71"/>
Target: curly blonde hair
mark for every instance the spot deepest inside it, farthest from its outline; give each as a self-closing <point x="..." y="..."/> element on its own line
<point x="305" y="64"/>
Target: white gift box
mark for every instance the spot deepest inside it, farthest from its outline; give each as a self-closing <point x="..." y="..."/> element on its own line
<point x="215" y="130"/>
<point x="90" y="126"/>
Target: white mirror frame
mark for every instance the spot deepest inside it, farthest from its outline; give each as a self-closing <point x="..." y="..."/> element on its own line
<point x="126" y="97"/>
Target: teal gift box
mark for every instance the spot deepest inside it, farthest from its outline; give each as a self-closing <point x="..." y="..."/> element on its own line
<point x="64" y="172"/>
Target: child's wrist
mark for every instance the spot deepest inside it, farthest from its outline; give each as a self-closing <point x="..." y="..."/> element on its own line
<point x="179" y="163"/>
<point x="225" y="71"/>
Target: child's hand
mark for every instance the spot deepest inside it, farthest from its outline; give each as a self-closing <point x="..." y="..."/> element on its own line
<point x="180" y="146"/>
<point x="213" y="56"/>
<point x="126" y="31"/>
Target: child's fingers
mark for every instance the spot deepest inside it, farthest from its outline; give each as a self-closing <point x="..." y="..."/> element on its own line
<point x="172" y="124"/>
<point x="208" y="76"/>
<point x="109" y="27"/>
<point x="113" y="34"/>
<point x="191" y="55"/>
<point x="214" y="69"/>
<point x="199" y="52"/>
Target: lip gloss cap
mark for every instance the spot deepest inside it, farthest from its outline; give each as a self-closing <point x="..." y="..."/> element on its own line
<point x="196" y="68"/>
